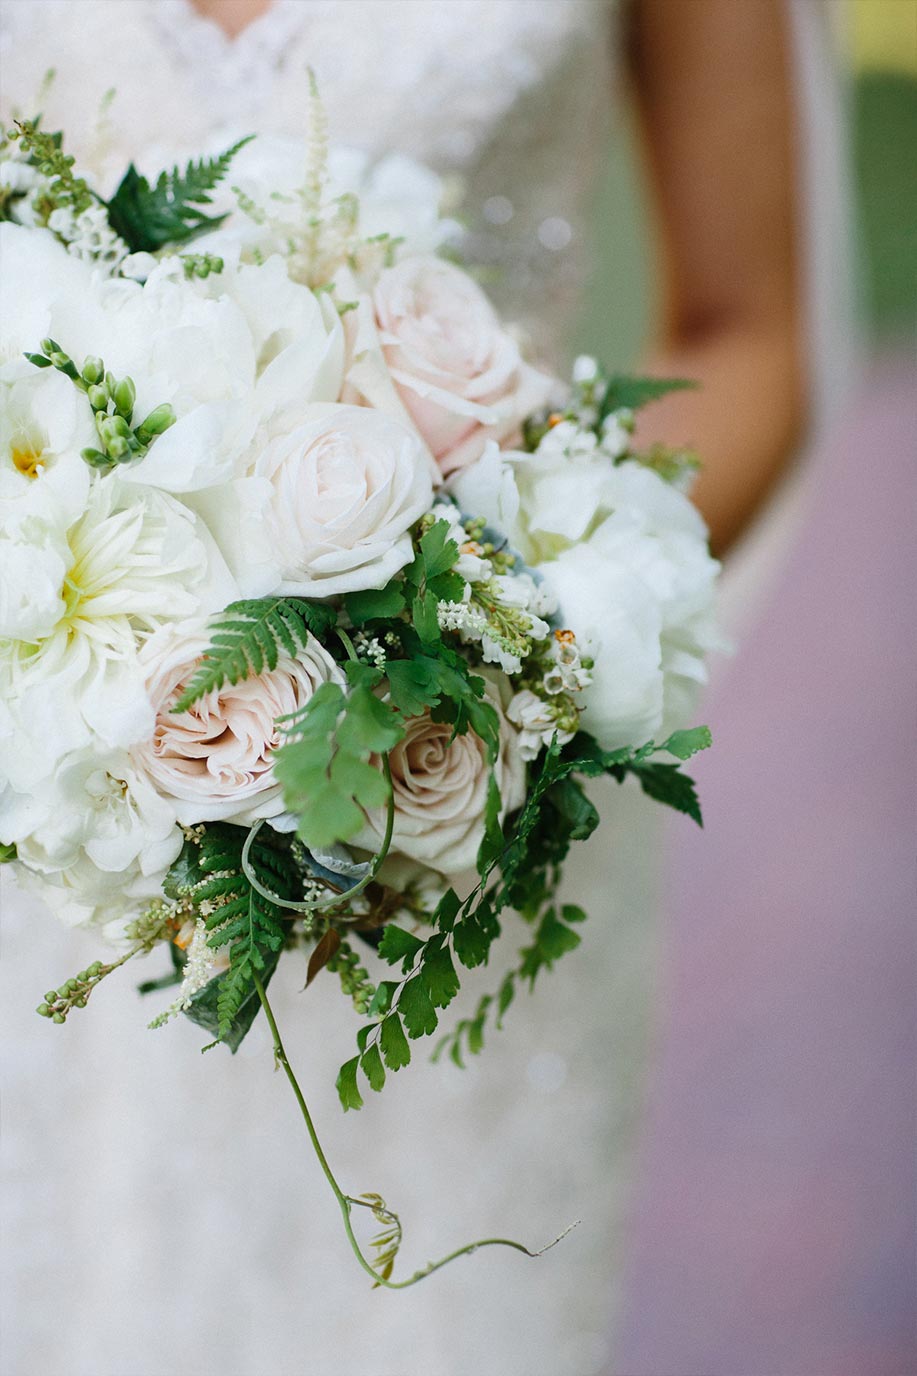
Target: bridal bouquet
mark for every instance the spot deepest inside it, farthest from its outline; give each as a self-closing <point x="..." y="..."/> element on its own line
<point x="319" y="602"/>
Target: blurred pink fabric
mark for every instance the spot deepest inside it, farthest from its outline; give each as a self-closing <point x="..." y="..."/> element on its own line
<point x="775" y="1230"/>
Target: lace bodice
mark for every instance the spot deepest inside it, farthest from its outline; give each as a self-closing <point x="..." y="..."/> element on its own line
<point x="511" y="97"/>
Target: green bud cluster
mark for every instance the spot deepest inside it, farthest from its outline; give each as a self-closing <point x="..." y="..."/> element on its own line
<point x="112" y="400"/>
<point x="73" y="993"/>
<point x="355" y="980"/>
<point x="201" y="264"/>
<point x="44" y="151"/>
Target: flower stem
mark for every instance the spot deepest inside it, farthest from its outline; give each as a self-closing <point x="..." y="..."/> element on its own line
<point x="346" y="1202"/>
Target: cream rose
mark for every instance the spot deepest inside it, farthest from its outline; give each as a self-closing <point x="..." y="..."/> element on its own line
<point x="214" y="762"/>
<point x="440" y="790"/>
<point x="327" y="508"/>
<point x="457" y="371"/>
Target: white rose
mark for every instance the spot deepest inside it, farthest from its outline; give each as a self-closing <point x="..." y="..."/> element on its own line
<point x="457" y="371"/>
<point x="215" y="761"/>
<point x="328" y="508"/>
<point x="440" y="790"/>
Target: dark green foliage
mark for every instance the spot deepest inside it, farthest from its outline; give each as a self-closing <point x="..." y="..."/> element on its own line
<point x="168" y="212"/>
<point x="208" y="876"/>
<point x="375" y="603"/>
<point x="520" y="868"/>
<point x="249" y="636"/>
<point x="205" y="1005"/>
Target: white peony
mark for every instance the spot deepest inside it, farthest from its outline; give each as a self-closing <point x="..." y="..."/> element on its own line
<point x="215" y="760"/>
<point x="85" y="595"/>
<point x="639" y="594"/>
<point x="440" y="790"/>
<point x="98" y="813"/>
<point x="243" y="349"/>
<point x="327" y="508"/>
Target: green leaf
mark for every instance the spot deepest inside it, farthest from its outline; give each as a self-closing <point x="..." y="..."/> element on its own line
<point x="470" y="942"/>
<point x="359" y="780"/>
<point x="150" y="217"/>
<point x="324" y="764"/>
<point x="375" y="604"/>
<point x="634" y="392"/>
<point x="382" y="998"/>
<point x="438" y="973"/>
<point x="684" y="744"/>
<point x="413" y="684"/>
<point x="424" y="615"/>
<point x="571" y="912"/>
<point x="416" y="1009"/>
<point x="394" y="1043"/>
<point x="438" y="551"/>
<point x="447" y="910"/>
<point x="505" y="997"/>
<point x="346" y="1085"/>
<point x="666" y="784"/>
<point x="579" y="815"/>
<point x="492" y="842"/>
<point x="373" y="1068"/>
<point x="249" y="635"/>
<point x="7" y="852"/>
<point x="447" y="587"/>
<point x="397" y="944"/>
<point x="368" y="725"/>
<point x="555" y="938"/>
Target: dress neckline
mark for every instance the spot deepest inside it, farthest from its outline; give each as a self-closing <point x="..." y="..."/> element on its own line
<point x="200" y="39"/>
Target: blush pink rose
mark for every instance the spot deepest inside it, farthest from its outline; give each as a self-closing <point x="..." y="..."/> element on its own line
<point x="458" y="373"/>
<point x="440" y="790"/>
<point x="214" y="762"/>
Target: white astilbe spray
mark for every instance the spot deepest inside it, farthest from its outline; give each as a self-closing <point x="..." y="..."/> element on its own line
<point x="198" y="971"/>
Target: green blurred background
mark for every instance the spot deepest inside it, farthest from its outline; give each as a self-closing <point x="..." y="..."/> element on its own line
<point x="877" y="41"/>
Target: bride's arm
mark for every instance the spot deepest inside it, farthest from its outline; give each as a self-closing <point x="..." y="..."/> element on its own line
<point x="714" y="93"/>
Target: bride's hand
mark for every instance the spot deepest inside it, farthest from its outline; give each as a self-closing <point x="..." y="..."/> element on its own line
<point x="714" y="93"/>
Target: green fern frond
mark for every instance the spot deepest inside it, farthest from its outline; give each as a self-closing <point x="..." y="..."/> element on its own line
<point x="168" y="212"/>
<point x="251" y="635"/>
<point x="239" y="920"/>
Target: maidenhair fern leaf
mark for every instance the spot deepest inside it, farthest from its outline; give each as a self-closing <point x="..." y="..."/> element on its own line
<point x="324" y="765"/>
<point x="168" y="212"/>
<point x="251" y="635"/>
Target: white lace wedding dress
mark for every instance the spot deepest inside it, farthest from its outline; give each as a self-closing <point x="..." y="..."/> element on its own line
<point x="162" y="1211"/>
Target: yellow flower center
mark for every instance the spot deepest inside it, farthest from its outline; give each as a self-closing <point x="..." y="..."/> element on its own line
<point x="27" y="458"/>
